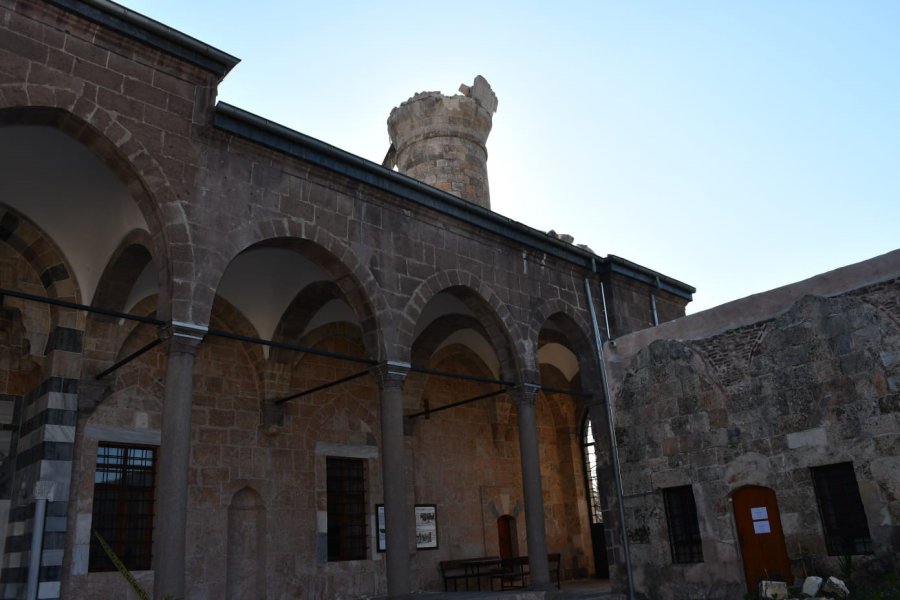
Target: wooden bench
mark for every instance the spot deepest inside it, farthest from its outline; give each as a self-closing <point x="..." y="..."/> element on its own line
<point x="469" y="571"/>
<point x="453" y="571"/>
<point x="516" y="572"/>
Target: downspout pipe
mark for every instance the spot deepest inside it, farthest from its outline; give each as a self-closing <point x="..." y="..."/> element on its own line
<point x="43" y="493"/>
<point x="614" y="452"/>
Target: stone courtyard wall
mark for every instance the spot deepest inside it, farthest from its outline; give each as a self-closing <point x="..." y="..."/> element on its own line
<point x="760" y="405"/>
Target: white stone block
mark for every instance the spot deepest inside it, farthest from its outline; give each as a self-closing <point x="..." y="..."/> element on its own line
<point x="773" y="590"/>
<point x="835" y="587"/>
<point x="810" y="437"/>
<point x="811" y="586"/>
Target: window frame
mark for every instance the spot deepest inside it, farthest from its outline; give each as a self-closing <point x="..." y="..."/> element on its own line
<point x="346" y="508"/>
<point x="845" y="525"/>
<point x="685" y="542"/>
<point x="122" y="504"/>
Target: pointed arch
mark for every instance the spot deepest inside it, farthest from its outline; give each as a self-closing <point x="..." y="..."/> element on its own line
<point x="497" y="322"/>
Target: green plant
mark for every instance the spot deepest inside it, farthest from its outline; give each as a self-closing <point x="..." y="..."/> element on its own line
<point x="888" y="589"/>
<point x="123" y="570"/>
<point x="845" y="566"/>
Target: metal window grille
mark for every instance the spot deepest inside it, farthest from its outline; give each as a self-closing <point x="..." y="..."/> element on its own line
<point x="841" y="509"/>
<point x="590" y="466"/>
<point x="123" y="506"/>
<point x="684" y="529"/>
<point x="346" y="491"/>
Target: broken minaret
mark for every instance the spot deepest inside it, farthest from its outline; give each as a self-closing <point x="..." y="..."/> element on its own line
<point x="440" y="140"/>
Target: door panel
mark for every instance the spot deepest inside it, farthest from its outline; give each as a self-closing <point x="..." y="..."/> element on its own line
<point x="760" y="536"/>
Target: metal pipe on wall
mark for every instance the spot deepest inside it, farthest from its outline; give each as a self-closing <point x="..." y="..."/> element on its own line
<point x="614" y="452"/>
<point x="43" y="493"/>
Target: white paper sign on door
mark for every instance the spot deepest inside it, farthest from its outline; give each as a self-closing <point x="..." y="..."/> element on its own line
<point x="758" y="513"/>
<point x="761" y="527"/>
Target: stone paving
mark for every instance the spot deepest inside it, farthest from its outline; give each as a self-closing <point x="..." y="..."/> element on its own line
<point x="584" y="589"/>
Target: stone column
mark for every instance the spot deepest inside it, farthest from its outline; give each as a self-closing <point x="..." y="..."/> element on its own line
<point x="174" y="459"/>
<point x="525" y="396"/>
<point x="391" y="376"/>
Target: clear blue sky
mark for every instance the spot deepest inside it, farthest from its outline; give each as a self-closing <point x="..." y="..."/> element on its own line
<point x="736" y="146"/>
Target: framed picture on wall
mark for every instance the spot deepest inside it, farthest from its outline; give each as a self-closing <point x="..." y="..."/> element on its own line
<point x="426" y="526"/>
<point x="379" y="528"/>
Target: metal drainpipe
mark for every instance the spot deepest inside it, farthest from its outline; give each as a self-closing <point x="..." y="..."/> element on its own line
<point x="653" y="303"/>
<point x="43" y="493"/>
<point x="614" y="452"/>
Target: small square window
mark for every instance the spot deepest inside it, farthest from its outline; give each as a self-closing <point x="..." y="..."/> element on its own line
<point x="684" y="529"/>
<point x="841" y="509"/>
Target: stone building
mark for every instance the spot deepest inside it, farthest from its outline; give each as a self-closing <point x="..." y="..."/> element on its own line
<point x="240" y="354"/>
<point x="761" y="439"/>
<point x="226" y="345"/>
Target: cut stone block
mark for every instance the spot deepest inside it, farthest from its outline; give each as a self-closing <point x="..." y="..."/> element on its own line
<point x="811" y="586"/>
<point x="773" y="590"/>
<point x="835" y="587"/>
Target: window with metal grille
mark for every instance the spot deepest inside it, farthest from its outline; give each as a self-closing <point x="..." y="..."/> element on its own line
<point x="590" y="467"/>
<point x="841" y="508"/>
<point x="684" y="529"/>
<point x="346" y="491"/>
<point x="123" y="506"/>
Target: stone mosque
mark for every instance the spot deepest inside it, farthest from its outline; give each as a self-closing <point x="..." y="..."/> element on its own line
<point x="259" y="366"/>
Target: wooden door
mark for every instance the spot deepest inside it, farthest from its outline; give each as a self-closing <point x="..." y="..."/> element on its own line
<point x="507" y="536"/>
<point x="760" y="535"/>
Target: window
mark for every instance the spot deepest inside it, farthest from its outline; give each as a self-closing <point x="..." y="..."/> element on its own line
<point x="123" y="506"/>
<point x="346" y="491"/>
<point x="684" y="530"/>
<point x="588" y="447"/>
<point x="843" y="518"/>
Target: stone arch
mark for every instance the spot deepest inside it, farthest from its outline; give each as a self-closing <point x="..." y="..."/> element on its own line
<point x="245" y="555"/>
<point x="41" y="253"/>
<point x="818" y="359"/>
<point x="227" y="317"/>
<point x="568" y="327"/>
<point x="112" y="141"/>
<point x="438" y="330"/>
<point x="359" y="288"/>
<point x="301" y="311"/>
<point x="123" y="269"/>
<point x="502" y="330"/>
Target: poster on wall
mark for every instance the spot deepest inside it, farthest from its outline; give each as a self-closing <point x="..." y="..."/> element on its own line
<point x="426" y="526"/>
<point x="379" y="528"/>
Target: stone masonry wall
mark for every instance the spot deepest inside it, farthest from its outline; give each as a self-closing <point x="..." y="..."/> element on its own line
<point x="761" y="405"/>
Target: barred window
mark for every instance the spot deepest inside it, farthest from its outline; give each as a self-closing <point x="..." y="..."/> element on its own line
<point x="841" y="508"/>
<point x="589" y="448"/>
<point x="346" y="491"/>
<point x="684" y="529"/>
<point x="123" y="506"/>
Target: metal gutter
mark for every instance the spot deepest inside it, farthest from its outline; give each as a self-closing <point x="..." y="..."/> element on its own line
<point x="620" y="266"/>
<point x="613" y="443"/>
<point x="152" y="33"/>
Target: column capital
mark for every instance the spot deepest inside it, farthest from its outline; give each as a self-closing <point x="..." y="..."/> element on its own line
<point x="183" y="338"/>
<point x="525" y="393"/>
<point x="390" y="373"/>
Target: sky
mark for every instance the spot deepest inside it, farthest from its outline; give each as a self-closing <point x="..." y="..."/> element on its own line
<point x="736" y="146"/>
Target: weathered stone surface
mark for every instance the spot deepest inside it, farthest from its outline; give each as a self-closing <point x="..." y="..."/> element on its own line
<point x="773" y="590"/>
<point x="835" y="587"/>
<point x="440" y="140"/>
<point x="811" y="586"/>
<point x="759" y="406"/>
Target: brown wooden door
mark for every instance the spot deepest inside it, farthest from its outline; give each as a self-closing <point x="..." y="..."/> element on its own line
<point x="760" y="535"/>
<point x="507" y="538"/>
